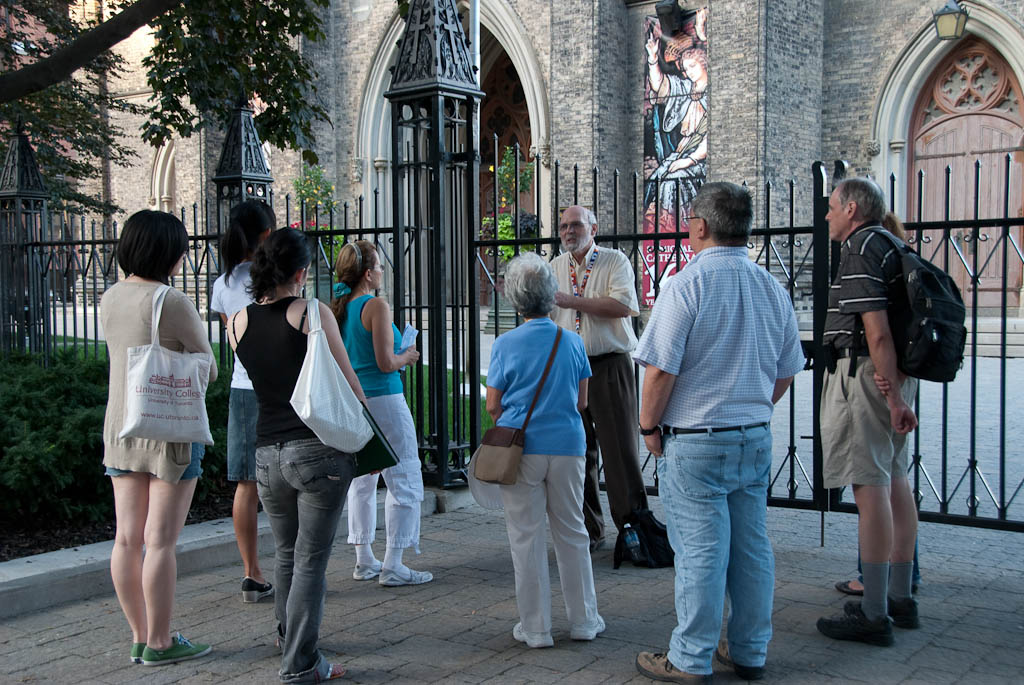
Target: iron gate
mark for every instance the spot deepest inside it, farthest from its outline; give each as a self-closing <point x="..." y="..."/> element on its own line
<point x="965" y="469"/>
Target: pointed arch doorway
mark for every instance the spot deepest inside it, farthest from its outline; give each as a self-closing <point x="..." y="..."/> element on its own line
<point x="970" y="111"/>
<point x="504" y="31"/>
<point x="503" y="113"/>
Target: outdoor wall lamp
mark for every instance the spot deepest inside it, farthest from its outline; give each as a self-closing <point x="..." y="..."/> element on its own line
<point x="950" y="20"/>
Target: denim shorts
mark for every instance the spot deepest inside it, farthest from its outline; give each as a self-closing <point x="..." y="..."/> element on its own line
<point x="243" y="412"/>
<point x="193" y="470"/>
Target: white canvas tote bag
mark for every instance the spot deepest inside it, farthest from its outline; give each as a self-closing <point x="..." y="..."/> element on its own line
<point x="165" y="391"/>
<point x="322" y="397"/>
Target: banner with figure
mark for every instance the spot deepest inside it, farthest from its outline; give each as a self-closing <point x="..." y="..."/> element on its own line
<point x="675" y="111"/>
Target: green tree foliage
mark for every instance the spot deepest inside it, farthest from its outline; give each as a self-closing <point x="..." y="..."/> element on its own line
<point x="55" y="72"/>
<point x="208" y="54"/>
<point x="67" y="121"/>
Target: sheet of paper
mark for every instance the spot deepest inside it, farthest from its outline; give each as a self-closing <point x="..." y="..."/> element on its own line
<point x="408" y="337"/>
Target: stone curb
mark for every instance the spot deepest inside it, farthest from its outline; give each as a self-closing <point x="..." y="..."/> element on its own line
<point x="45" y="580"/>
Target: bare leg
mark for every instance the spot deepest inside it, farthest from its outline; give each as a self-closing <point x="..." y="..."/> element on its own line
<point x="131" y="503"/>
<point x="168" y="506"/>
<point x="875" y="525"/>
<point x="243" y="513"/>
<point x="904" y="521"/>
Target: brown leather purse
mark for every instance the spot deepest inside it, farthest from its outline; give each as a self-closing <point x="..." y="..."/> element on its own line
<point x="497" y="458"/>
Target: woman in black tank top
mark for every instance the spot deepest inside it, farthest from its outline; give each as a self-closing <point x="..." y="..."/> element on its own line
<point x="301" y="482"/>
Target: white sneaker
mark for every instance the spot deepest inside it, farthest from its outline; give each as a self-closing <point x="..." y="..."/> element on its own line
<point x="392" y="578"/>
<point x="535" y="640"/>
<point x="367" y="571"/>
<point x="588" y="633"/>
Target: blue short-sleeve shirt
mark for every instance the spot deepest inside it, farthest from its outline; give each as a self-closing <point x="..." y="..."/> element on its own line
<point x="517" y="363"/>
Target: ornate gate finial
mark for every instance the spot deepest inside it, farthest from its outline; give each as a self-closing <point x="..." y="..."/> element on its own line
<point x="433" y="53"/>
<point x="20" y="175"/>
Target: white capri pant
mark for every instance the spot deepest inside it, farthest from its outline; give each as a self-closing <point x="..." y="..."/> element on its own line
<point x="550" y="484"/>
<point x="404" y="482"/>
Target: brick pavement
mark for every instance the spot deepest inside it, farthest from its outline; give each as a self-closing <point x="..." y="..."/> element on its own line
<point x="458" y="628"/>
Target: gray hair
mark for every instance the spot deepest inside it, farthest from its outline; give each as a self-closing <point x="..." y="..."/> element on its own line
<point x="530" y="285"/>
<point x="589" y="216"/>
<point x="866" y="194"/>
<point x="727" y="209"/>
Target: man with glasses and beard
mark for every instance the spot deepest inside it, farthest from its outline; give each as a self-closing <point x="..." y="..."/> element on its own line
<point x="596" y="298"/>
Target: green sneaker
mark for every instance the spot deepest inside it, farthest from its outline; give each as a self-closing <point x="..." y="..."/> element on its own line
<point x="136" y="654"/>
<point x="180" y="650"/>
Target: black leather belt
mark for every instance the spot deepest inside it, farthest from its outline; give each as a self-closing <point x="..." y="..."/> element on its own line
<point x="846" y="352"/>
<point x="671" y="430"/>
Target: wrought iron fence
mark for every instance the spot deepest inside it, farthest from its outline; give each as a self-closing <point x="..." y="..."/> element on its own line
<point x="963" y="471"/>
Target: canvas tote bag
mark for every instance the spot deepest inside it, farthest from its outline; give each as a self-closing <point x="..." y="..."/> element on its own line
<point x="165" y="391"/>
<point x="322" y="397"/>
<point x="497" y="458"/>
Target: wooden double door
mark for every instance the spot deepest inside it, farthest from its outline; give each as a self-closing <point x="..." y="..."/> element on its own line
<point x="969" y="114"/>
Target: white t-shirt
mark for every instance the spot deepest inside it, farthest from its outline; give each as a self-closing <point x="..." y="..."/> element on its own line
<point x="228" y="298"/>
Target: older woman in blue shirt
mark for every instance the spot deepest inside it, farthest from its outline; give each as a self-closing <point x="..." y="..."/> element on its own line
<point x="550" y="477"/>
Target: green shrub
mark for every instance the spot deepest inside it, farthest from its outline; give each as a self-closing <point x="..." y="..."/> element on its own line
<point x="51" y="438"/>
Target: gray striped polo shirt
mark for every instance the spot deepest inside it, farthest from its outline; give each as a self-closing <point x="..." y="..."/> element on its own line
<point x="869" y="266"/>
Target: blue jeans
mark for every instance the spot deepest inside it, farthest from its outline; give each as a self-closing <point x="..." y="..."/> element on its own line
<point x="302" y="484"/>
<point x="243" y="412"/>
<point x="193" y="470"/>
<point x="714" y="487"/>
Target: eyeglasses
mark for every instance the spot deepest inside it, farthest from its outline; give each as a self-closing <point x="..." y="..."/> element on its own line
<point x="572" y="226"/>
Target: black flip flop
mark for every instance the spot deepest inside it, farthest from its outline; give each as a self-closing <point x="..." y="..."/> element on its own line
<point x="844" y="587"/>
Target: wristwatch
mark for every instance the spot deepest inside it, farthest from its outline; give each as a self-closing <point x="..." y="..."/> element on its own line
<point x="650" y="431"/>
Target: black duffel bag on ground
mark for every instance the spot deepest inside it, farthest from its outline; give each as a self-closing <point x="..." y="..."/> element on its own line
<point x="653" y="550"/>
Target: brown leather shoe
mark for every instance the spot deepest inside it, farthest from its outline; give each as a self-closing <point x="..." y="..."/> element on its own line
<point x="658" y="667"/>
<point x="744" y="672"/>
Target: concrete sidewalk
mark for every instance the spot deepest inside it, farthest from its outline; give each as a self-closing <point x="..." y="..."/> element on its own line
<point x="458" y="628"/>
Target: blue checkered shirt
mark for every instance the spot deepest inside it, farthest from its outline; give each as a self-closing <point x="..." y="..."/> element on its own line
<point x="726" y="328"/>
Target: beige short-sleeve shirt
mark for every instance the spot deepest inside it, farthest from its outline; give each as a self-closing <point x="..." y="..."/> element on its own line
<point x="613" y="277"/>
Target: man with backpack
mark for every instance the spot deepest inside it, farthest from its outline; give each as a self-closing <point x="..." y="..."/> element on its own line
<point x="863" y="431"/>
<point x="721" y="348"/>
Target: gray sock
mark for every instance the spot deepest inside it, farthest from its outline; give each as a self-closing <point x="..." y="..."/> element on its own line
<point x="900" y="579"/>
<point x="876" y="582"/>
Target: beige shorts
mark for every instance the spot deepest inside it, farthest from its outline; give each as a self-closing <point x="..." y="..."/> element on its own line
<point x="859" y="444"/>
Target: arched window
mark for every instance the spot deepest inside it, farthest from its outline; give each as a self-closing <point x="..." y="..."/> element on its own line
<point x="162" y="181"/>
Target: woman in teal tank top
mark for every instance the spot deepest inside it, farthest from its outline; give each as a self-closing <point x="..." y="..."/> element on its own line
<point x="373" y="343"/>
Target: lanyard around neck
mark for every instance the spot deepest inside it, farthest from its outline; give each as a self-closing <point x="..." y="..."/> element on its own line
<point x="579" y="288"/>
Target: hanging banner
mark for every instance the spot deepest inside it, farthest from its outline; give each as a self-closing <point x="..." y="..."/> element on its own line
<point x="675" y="110"/>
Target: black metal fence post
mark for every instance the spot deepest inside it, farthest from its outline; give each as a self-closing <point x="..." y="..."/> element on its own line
<point x="822" y="278"/>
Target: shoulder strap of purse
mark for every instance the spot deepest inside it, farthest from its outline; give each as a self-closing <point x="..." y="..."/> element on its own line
<point x="312" y="313"/>
<point x="158" y="307"/>
<point x="540" y="386"/>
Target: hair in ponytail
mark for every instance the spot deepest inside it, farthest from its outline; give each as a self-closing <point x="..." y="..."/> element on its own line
<point x="248" y="220"/>
<point x="276" y="260"/>
<point x="892" y="223"/>
<point x="353" y="260"/>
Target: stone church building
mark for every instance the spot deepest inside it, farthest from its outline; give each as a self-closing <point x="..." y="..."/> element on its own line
<point x="748" y="90"/>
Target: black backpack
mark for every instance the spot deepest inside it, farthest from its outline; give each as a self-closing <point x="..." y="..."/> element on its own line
<point x="927" y="318"/>
<point x="654" y="550"/>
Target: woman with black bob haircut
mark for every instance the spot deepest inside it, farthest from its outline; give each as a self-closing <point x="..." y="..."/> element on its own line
<point x="153" y="481"/>
<point x="249" y="224"/>
<point x="151" y="243"/>
<point x="301" y="482"/>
